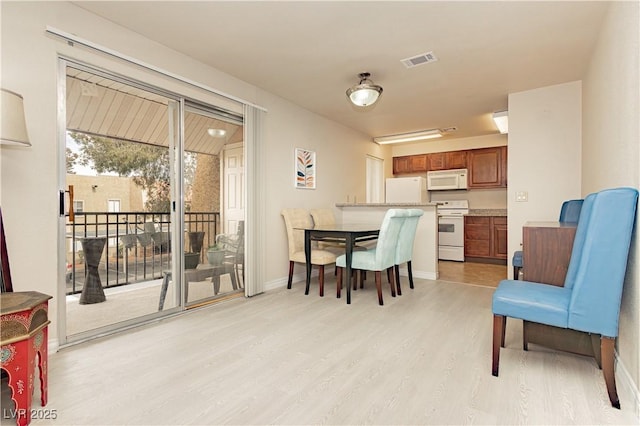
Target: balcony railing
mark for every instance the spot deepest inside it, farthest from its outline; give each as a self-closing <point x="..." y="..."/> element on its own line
<point x="137" y="247"/>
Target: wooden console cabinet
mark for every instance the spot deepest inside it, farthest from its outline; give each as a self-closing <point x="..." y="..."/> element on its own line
<point x="547" y="250"/>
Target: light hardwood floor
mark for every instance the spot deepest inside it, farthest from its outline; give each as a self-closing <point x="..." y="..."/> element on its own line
<point x="286" y="358"/>
<point x="484" y="274"/>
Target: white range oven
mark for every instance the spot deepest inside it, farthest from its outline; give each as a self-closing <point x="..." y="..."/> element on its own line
<point x="451" y="229"/>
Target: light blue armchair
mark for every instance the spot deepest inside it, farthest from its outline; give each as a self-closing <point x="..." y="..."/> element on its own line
<point x="590" y="299"/>
<point x="404" y="249"/>
<point x="380" y="258"/>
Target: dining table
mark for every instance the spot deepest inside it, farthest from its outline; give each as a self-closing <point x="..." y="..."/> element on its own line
<point x="347" y="233"/>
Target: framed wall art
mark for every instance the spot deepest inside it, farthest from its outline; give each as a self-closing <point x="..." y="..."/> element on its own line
<point x="305" y="172"/>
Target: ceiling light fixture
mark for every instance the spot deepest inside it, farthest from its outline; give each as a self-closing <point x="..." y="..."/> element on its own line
<point x="501" y="118"/>
<point x="216" y="133"/>
<point x="14" y="128"/>
<point x="364" y="93"/>
<point x="409" y="137"/>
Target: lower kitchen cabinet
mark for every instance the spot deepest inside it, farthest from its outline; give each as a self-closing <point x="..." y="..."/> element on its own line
<point x="485" y="238"/>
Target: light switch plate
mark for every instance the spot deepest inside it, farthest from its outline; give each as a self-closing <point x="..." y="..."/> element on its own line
<point x="522" y="196"/>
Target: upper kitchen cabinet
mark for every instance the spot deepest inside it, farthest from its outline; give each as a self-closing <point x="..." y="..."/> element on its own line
<point x="410" y="164"/>
<point x="487" y="167"/>
<point x="448" y="160"/>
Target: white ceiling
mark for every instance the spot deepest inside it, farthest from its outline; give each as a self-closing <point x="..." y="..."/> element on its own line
<point x="311" y="52"/>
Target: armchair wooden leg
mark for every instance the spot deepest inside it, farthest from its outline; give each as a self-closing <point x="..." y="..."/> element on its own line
<point x="379" y="286"/>
<point x="516" y="272"/>
<point x="392" y="283"/>
<point x="606" y="348"/>
<point x="338" y="281"/>
<point x="499" y="325"/>
<point x="525" y="337"/>
<point x="321" y="279"/>
<point x="396" y="270"/>
<point x="410" y="272"/>
<point x="291" y="263"/>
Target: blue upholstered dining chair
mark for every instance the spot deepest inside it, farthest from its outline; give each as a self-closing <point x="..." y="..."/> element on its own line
<point x="590" y="299"/>
<point x="569" y="213"/>
<point x="380" y="258"/>
<point x="404" y="249"/>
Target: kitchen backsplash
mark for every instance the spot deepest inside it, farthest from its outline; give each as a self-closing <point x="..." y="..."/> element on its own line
<point x="478" y="198"/>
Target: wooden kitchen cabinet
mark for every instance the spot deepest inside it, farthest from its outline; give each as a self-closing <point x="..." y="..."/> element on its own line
<point x="487" y="167"/>
<point x="485" y="238"/>
<point x="410" y="164"/>
<point x="447" y="160"/>
<point x="477" y="236"/>
<point x="499" y="237"/>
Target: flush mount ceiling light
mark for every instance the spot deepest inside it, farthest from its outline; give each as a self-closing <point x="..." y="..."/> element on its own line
<point x="409" y="137"/>
<point x="364" y="93"/>
<point x="216" y="133"/>
<point x="501" y="118"/>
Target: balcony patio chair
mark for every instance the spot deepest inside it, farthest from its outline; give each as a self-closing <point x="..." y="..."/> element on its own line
<point x="404" y="250"/>
<point x="380" y="258"/>
<point x="569" y="213"/>
<point x="295" y="221"/>
<point x="233" y="246"/>
<point x="591" y="296"/>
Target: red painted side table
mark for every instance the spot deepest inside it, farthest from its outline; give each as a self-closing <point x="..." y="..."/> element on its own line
<point x="24" y="335"/>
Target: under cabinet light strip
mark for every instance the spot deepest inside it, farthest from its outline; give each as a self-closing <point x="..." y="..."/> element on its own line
<point x="72" y="39"/>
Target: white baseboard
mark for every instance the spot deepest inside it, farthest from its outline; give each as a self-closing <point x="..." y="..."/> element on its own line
<point x="53" y="345"/>
<point x="282" y="282"/>
<point x="627" y="385"/>
<point x="424" y="275"/>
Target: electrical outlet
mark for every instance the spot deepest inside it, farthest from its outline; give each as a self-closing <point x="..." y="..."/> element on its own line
<point x="522" y="196"/>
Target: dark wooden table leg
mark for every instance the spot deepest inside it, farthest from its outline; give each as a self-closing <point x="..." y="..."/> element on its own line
<point x="307" y="253"/>
<point x="348" y="256"/>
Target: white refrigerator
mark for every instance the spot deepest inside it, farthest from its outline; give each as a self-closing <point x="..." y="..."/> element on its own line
<point x="406" y="190"/>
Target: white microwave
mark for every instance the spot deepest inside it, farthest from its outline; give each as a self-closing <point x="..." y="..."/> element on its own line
<point x="441" y="180"/>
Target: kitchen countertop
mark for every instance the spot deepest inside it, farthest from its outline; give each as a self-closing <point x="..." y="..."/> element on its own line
<point x="385" y="204"/>
<point x="487" y="212"/>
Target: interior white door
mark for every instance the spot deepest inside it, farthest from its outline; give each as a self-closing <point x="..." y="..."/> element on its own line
<point x="233" y="187"/>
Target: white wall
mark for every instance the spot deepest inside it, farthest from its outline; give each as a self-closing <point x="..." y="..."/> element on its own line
<point x="30" y="177"/>
<point x="341" y="160"/>
<point x="611" y="153"/>
<point x="544" y="155"/>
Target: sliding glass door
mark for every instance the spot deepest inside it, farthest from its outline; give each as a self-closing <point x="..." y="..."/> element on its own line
<point x="147" y="200"/>
<point x="214" y="253"/>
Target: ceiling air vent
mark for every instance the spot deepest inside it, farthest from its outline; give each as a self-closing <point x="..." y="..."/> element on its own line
<point x="414" y="61"/>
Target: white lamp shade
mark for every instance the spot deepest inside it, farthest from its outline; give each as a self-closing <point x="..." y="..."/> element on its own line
<point x="13" y="128"/>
